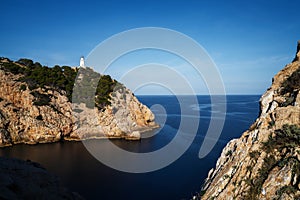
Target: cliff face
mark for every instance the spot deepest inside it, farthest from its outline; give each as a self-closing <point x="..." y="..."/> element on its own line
<point x="125" y="117"/>
<point x="264" y="163"/>
<point x="41" y="114"/>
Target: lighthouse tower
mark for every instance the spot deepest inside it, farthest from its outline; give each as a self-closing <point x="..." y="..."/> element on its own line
<point x="81" y="64"/>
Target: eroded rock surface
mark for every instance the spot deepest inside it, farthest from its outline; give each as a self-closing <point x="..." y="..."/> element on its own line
<point x="44" y="114"/>
<point x="264" y="163"/>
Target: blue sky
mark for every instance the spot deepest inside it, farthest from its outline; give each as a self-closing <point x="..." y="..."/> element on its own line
<point x="249" y="41"/>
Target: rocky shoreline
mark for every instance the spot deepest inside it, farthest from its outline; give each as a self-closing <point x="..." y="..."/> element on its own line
<point x="133" y="136"/>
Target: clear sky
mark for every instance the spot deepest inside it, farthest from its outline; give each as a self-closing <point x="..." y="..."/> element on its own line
<point x="248" y="40"/>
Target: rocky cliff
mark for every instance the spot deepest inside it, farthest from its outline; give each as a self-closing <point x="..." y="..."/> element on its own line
<point x="28" y="180"/>
<point x="37" y="109"/>
<point x="264" y="163"/>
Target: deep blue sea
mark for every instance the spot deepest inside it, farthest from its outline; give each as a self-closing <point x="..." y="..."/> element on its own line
<point x="82" y="173"/>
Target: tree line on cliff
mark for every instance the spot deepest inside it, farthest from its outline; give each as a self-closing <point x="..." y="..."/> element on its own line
<point x="58" y="78"/>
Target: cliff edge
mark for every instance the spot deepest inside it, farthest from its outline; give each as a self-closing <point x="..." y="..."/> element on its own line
<point x="264" y="163"/>
<point x="35" y="106"/>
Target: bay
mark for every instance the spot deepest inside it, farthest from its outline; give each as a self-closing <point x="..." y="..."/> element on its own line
<point x="82" y="173"/>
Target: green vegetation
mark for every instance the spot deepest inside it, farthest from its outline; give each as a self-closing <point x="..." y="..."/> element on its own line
<point x="290" y="86"/>
<point x="288" y="101"/>
<point x="202" y="192"/>
<point x="41" y="99"/>
<point x="287" y="137"/>
<point x="90" y="82"/>
<point x="38" y="76"/>
<point x="257" y="183"/>
<point x="105" y="87"/>
<point x="26" y="62"/>
<point x="249" y="168"/>
<point x="290" y="189"/>
<point x="292" y="83"/>
<point x="39" y="117"/>
<point x="13" y="68"/>
<point x="228" y="153"/>
<point x="61" y="79"/>
<point x="226" y="176"/>
<point x="56" y="78"/>
<point x="268" y="164"/>
<point x="271" y="123"/>
<point x="254" y="154"/>
<point x="285" y="189"/>
<point x="23" y="87"/>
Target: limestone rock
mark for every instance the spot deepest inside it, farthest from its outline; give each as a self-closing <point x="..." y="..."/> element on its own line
<point x="264" y="162"/>
<point x="23" y="121"/>
<point x="135" y="135"/>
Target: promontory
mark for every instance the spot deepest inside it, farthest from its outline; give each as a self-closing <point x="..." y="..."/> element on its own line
<point x="35" y="105"/>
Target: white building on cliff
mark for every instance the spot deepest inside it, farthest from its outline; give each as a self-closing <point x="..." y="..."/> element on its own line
<point x="81" y="64"/>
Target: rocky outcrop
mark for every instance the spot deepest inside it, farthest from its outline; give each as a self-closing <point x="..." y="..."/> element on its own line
<point x="28" y="180"/>
<point x="44" y="114"/>
<point x="125" y="118"/>
<point x="264" y="163"/>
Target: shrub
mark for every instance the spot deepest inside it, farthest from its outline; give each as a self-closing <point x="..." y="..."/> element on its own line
<point x="104" y="88"/>
<point x="270" y="144"/>
<point x="288" y="101"/>
<point x="271" y="123"/>
<point x="292" y="83"/>
<point x="25" y="61"/>
<point x="41" y="99"/>
<point x="249" y="168"/>
<point x="257" y="183"/>
<point x="56" y="78"/>
<point x="226" y="176"/>
<point x="287" y="137"/>
<point x="295" y="166"/>
<point x="13" y="68"/>
<point x="23" y="87"/>
<point x="287" y="189"/>
<point x="202" y="192"/>
<point x="228" y="153"/>
<point x="254" y="154"/>
<point x="39" y="117"/>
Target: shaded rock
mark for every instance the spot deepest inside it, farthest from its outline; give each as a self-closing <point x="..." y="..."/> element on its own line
<point x="28" y="180"/>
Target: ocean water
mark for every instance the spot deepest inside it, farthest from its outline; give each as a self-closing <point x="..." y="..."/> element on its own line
<point x="82" y="173"/>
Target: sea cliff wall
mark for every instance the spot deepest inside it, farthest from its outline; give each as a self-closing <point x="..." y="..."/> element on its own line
<point x="264" y="163"/>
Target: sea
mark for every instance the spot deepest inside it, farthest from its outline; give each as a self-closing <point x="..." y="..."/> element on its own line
<point x="80" y="172"/>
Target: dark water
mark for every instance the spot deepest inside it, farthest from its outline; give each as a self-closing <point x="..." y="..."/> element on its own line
<point x="82" y="173"/>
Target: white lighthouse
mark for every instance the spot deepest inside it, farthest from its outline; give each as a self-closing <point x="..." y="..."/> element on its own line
<point x="81" y="64"/>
